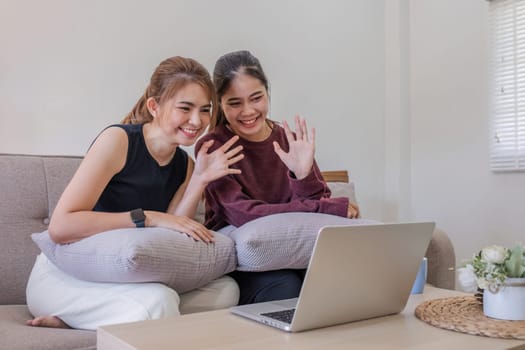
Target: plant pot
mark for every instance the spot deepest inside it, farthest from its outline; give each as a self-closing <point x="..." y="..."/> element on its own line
<point x="508" y="303"/>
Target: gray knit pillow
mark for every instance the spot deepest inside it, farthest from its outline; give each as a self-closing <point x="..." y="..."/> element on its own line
<point x="343" y="189"/>
<point x="281" y="241"/>
<point x="149" y="254"/>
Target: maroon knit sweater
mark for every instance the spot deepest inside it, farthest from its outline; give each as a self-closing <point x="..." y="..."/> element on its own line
<point x="265" y="186"/>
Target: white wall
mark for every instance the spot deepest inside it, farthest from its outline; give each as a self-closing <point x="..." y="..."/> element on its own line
<point x="69" y="68"/>
<point x="397" y="90"/>
<point x="397" y="199"/>
<point x="451" y="179"/>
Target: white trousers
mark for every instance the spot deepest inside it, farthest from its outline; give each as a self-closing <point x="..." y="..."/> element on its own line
<point x="89" y="305"/>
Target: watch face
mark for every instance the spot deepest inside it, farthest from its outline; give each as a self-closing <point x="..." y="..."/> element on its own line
<point x="138" y="217"/>
<point x="139" y="214"/>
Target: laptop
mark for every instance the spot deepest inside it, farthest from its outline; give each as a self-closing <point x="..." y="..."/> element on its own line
<point x="355" y="273"/>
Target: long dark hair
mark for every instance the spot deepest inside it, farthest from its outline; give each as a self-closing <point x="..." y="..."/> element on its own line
<point x="171" y="75"/>
<point x="226" y="68"/>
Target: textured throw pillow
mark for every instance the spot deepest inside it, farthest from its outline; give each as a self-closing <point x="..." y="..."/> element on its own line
<point x="343" y="189"/>
<point x="281" y="241"/>
<point x="149" y="254"/>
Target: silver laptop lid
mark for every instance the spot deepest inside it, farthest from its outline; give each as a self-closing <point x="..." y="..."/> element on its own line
<point x="359" y="272"/>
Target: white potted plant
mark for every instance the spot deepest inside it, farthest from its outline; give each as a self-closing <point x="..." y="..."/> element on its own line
<point x="500" y="273"/>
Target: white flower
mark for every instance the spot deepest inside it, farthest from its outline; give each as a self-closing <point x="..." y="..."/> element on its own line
<point x="482" y="283"/>
<point x="492" y="266"/>
<point x="494" y="254"/>
<point x="467" y="279"/>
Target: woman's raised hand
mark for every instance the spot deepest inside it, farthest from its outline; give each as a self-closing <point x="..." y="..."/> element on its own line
<point x="211" y="166"/>
<point x="300" y="157"/>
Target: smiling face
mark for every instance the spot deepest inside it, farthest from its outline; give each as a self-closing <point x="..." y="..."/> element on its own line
<point x="245" y="106"/>
<point x="185" y="116"/>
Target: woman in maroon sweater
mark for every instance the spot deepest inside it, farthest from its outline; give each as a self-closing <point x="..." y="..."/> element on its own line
<point x="278" y="172"/>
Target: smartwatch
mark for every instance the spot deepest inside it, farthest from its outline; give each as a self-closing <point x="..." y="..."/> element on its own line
<point x="138" y="217"/>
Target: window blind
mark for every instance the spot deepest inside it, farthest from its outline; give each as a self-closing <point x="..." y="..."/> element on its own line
<point x="507" y="40"/>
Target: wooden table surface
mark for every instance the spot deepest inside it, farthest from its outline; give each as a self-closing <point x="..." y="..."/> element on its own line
<point x="222" y="330"/>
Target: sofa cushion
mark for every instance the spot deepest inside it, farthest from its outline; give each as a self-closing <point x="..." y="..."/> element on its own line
<point x="281" y="241"/>
<point x="343" y="189"/>
<point x="16" y="335"/>
<point x="29" y="187"/>
<point x="151" y="254"/>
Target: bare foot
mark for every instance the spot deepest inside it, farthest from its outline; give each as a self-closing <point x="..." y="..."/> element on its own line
<point x="47" y="321"/>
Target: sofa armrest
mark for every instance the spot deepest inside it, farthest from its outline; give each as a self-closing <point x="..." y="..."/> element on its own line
<point x="441" y="261"/>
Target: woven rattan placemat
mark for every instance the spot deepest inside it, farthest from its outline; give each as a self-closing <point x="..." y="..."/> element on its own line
<point x="465" y="314"/>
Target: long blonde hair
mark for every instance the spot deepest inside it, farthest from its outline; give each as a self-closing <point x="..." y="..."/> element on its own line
<point x="171" y="75"/>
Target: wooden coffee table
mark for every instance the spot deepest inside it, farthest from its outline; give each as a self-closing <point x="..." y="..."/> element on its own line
<point x="222" y="330"/>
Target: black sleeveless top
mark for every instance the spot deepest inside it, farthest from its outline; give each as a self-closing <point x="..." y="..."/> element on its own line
<point x="142" y="183"/>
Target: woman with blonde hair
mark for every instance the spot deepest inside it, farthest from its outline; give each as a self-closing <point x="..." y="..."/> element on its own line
<point x="134" y="175"/>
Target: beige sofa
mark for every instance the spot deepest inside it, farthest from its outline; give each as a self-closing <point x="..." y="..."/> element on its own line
<point x="29" y="189"/>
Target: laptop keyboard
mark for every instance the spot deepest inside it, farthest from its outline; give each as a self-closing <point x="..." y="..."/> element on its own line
<point x="283" y="315"/>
